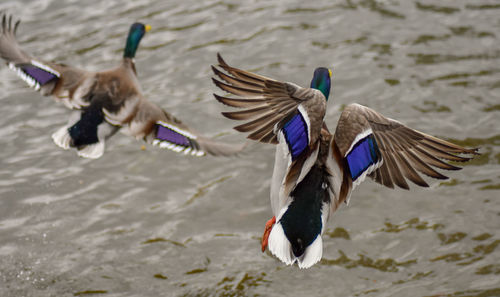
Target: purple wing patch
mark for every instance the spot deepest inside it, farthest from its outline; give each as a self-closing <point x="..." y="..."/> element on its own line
<point x="35" y="74"/>
<point x="173" y="138"/>
<point x="167" y="134"/>
<point x="39" y="75"/>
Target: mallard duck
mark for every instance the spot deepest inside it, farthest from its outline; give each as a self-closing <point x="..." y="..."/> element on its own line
<point x="315" y="171"/>
<point x="109" y="101"/>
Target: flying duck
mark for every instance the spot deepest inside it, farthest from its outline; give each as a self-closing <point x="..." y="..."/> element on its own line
<point x="108" y="101"/>
<point x="315" y="171"/>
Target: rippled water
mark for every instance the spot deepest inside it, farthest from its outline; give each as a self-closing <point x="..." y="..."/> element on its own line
<point x="153" y="223"/>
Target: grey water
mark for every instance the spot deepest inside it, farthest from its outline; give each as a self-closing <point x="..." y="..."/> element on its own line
<point x="149" y="222"/>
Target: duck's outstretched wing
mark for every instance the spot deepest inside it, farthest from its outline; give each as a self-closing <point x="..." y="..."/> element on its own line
<point x="389" y="152"/>
<point x="65" y="83"/>
<point x="269" y="105"/>
<point x="144" y="119"/>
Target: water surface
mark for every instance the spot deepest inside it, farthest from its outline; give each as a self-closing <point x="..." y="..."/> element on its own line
<point x="153" y="223"/>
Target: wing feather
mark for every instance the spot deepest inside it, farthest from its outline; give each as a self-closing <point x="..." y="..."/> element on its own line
<point x="246" y="114"/>
<point x="409" y="172"/>
<point x="431" y="160"/>
<point x="154" y="125"/>
<point x="236" y="90"/>
<point x="60" y="81"/>
<point x="266" y="102"/>
<point x="240" y="103"/>
<point x="421" y="166"/>
<point x="242" y="74"/>
<point x="267" y="120"/>
<point x="236" y="81"/>
<point x="405" y="152"/>
<point x="396" y="174"/>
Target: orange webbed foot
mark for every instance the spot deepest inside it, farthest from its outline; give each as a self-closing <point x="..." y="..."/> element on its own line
<point x="267" y="231"/>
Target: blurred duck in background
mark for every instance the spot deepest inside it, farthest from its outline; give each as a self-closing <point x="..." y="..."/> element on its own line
<point x="107" y="101"/>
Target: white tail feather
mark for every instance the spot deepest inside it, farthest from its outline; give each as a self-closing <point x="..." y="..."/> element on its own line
<point x="312" y="254"/>
<point x="62" y="138"/>
<point x="92" y="151"/>
<point x="279" y="245"/>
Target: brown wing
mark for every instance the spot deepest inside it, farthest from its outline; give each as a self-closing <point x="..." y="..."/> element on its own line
<point x="405" y="151"/>
<point x="148" y="121"/>
<point x="265" y="102"/>
<point x="49" y="78"/>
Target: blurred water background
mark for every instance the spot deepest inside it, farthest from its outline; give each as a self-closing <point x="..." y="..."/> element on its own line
<point x="154" y="223"/>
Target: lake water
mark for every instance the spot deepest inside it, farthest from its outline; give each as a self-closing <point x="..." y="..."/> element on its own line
<point x="154" y="223"/>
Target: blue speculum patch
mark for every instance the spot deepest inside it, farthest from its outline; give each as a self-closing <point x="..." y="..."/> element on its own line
<point x="364" y="154"/>
<point x="295" y="131"/>
<point x="39" y="75"/>
<point x="166" y="134"/>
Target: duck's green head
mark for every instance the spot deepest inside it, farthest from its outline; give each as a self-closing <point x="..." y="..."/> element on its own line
<point x="322" y="80"/>
<point x="137" y="31"/>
